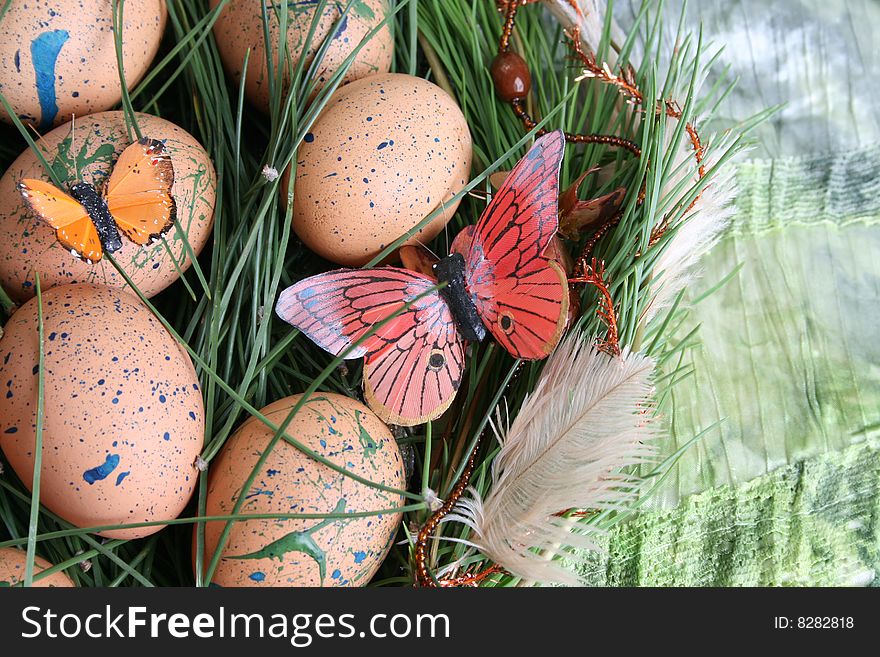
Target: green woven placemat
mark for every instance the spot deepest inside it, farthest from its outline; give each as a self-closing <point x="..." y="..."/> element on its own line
<point x="815" y="523"/>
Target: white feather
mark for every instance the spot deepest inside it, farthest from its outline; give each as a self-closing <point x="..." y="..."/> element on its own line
<point x="700" y="228"/>
<point x="588" y="418"/>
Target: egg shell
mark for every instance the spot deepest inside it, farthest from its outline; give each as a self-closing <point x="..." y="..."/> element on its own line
<point x="347" y="433"/>
<point x="12" y="566"/>
<point x="123" y="419"/>
<point x="58" y="57"/>
<point x="240" y="26"/>
<point x="28" y="244"/>
<point x="386" y="152"/>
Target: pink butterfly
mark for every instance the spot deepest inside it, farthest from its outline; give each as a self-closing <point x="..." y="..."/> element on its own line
<point x="498" y="278"/>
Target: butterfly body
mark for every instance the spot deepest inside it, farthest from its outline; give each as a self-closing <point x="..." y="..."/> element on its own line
<point x="136" y="201"/>
<point x="450" y="270"/>
<point x="412" y="331"/>
<point x="99" y="213"/>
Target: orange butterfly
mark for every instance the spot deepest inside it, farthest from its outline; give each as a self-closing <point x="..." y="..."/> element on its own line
<point x="136" y="201"/>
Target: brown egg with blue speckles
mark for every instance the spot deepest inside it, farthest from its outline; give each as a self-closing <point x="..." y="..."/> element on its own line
<point x="29" y="244"/>
<point x="386" y="152"/>
<point x="123" y="417"/>
<point x="320" y="551"/>
<point x="12" y="566"/>
<point x="58" y="57"/>
<point x="240" y="27"/>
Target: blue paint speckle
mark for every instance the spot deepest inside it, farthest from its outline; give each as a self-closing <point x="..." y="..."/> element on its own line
<point x="309" y="138"/>
<point x="44" y="53"/>
<point x="343" y="25"/>
<point x="360" y="556"/>
<point x="102" y="471"/>
<point x="122" y="475"/>
<point x="166" y="436"/>
<point x="162" y="398"/>
<point x="11" y="430"/>
<point x="336" y="574"/>
<point x="257" y="576"/>
<point x="260" y="491"/>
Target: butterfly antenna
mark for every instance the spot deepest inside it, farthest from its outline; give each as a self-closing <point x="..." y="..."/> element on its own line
<point x="39" y="136"/>
<point x="428" y="248"/>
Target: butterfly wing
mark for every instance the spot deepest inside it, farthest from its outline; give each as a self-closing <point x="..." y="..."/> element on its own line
<point x="73" y="226"/>
<point x="415" y="378"/>
<point x="521" y="296"/>
<point x="138" y="192"/>
<point x="413" y="361"/>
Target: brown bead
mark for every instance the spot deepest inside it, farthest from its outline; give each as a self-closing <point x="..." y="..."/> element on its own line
<point x="511" y="76"/>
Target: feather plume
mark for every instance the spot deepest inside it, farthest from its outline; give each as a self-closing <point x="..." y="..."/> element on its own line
<point x="699" y="229"/>
<point x="589" y="417"/>
<point x="698" y="233"/>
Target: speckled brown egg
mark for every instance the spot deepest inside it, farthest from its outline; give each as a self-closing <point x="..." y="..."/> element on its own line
<point x="385" y="153"/>
<point x="240" y="26"/>
<point x="28" y="244"/>
<point x="299" y="552"/>
<point x="12" y="565"/>
<point x="58" y="57"/>
<point x="123" y="420"/>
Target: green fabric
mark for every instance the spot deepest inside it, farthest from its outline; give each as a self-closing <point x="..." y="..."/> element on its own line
<point x="813" y="523"/>
<point x="788" y="356"/>
<point x="817" y="58"/>
<point x="786" y="489"/>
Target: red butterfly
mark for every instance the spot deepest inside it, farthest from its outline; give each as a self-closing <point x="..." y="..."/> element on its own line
<point x="497" y="278"/>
